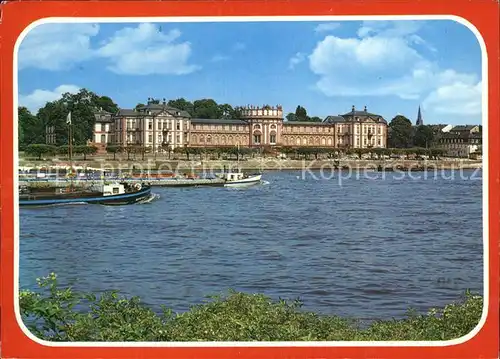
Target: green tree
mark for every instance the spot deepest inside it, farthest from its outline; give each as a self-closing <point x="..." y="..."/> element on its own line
<point x="129" y="149"/>
<point x="424" y="136"/>
<point x="30" y="128"/>
<point x="206" y="108"/>
<point x="85" y="150"/>
<point x="183" y="105"/>
<point x="301" y="114"/>
<point x="228" y="112"/>
<point x="106" y="103"/>
<point x="83" y="106"/>
<point x="315" y="119"/>
<point x="40" y="150"/>
<point x="400" y="134"/>
<point x="114" y="150"/>
<point x="291" y="117"/>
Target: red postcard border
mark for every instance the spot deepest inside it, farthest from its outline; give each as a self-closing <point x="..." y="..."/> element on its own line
<point x="16" y="16"/>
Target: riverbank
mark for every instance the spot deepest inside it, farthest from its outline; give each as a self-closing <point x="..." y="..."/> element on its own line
<point x="233" y="317"/>
<point x="269" y="164"/>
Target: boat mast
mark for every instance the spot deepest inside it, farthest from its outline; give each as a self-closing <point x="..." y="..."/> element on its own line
<point x="70" y="148"/>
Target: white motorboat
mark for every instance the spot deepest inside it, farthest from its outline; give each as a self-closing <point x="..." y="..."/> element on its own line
<point x="240" y="179"/>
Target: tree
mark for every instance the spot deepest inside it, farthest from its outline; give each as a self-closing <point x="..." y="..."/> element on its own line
<point x="106" y="103"/>
<point x="85" y="150"/>
<point x="182" y="104"/>
<point x="291" y="117"/>
<point x="40" y="149"/>
<point x="83" y="106"/>
<point x="114" y="150"/>
<point x="206" y="108"/>
<point x="315" y="119"/>
<point x="400" y="134"/>
<point x="30" y="128"/>
<point x="301" y="114"/>
<point x="228" y="112"/>
<point x="423" y="137"/>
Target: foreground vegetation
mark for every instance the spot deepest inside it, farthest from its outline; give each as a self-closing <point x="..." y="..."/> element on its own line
<point x="63" y="315"/>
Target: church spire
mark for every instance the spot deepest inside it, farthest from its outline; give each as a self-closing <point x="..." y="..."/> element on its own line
<point x="420" y="122"/>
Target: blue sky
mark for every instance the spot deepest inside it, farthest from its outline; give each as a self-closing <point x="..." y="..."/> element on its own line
<point x="392" y="67"/>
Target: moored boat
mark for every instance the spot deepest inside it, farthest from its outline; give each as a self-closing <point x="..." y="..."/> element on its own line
<point x="105" y="194"/>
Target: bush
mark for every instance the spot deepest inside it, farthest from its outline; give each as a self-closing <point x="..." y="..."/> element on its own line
<point x="63" y="315"/>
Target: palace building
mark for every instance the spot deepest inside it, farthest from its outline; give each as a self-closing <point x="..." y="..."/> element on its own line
<point x="160" y="127"/>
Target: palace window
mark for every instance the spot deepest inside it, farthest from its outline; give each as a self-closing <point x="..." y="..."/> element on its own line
<point x="256" y="139"/>
<point x="178" y="125"/>
<point x="209" y="139"/>
<point x="379" y="141"/>
<point x="103" y="138"/>
<point x="150" y="125"/>
<point x="272" y="138"/>
<point x="150" y="138"/>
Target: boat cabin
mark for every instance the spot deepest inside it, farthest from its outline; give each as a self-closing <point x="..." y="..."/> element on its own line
<point x="233" y="176"/>
<point x="113" y="189"/>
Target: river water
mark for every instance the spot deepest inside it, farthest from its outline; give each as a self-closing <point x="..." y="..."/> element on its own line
<point x="361" y="247"/>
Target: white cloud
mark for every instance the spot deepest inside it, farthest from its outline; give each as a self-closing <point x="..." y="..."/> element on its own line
<point x="38" y="98"/>
<point x="326" y="27"/>
<point x="140" y="50"/>
<point x="458" y="98"/>
<point x="145" y="50"/>
<point x="385" y="60"/>
<point x="296" y="59"/>
<point x="56" y="46"/>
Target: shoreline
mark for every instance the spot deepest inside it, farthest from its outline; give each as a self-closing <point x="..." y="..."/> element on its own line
<point x="257" y="165"/>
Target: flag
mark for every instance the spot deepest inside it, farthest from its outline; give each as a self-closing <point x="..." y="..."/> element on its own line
<point x="68" y="118"/>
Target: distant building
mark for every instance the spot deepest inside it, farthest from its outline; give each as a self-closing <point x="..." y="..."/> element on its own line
<point x="440" y="128"/>
<point x="461" y="141"/>
<point x="420" y="121"/>
<point x="359" y="129"/>
<point x="50" y="135"/>
<point x="258" y="126"/>
<point x="159" y="126"/>
<point x="103" y="127"/>
<point x="155" y="125"/>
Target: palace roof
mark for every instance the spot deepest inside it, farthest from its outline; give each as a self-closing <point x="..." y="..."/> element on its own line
<point x="218" y="121"/>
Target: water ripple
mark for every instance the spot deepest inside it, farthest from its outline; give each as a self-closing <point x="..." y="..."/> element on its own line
<point x="366" y="249"/>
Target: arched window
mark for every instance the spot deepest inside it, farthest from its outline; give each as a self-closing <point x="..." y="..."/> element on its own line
<point x="272" y="138"/>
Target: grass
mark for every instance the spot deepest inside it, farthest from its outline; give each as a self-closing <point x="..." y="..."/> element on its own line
<point x="63" y="315"/>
